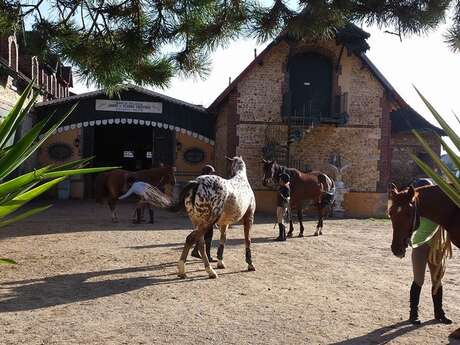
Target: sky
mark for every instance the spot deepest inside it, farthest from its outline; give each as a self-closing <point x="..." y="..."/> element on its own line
<point x="422" y="61"/>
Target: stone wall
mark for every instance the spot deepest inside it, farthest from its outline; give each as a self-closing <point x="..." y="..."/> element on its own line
<point x="259" y="104"/>
<point x="403" y="167"/>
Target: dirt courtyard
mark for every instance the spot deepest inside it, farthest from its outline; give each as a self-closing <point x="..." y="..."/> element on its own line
<point x="82" y="280"/>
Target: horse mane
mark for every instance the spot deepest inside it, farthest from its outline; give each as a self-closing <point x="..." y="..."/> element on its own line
<point x="282" y="169"/>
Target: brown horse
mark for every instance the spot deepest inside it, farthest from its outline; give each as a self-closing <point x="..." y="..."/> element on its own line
<point x="405" y="207"/>
<point x="110" y="185"/>
<point x="314" y="186"/>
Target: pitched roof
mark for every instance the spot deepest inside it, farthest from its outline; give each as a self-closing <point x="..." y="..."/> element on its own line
<point x="128" y="87"/>
<point x="405" y="119"/>
<point x="352" y="37"/>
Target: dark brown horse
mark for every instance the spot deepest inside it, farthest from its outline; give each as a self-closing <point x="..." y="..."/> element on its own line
<point x="313" y="186"/>
<point x="405" y="207"/>
<point x="110" y="185"/>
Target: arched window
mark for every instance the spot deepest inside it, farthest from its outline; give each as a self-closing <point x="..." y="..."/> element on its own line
<point x="310" y="84"/>
<point x="13" y="53"/>
<point x="35" y="70"/>
<point x="52" y="84"/>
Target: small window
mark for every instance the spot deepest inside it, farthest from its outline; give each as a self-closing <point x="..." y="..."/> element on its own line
<point x="194" y="156"/>
<point x="148" y="154"/>
<point x="60" y="151"/>
<point x="13" y="54"/>
<point x="128" y="154"/>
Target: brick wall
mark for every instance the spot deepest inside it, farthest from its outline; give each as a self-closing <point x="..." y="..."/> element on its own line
<point x="403" y="168"/>
<point x="259" y="103"/>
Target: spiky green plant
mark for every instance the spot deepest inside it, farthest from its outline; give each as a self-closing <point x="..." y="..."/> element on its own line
<point x="16" y="192"/>
<point x="450" y="185"/>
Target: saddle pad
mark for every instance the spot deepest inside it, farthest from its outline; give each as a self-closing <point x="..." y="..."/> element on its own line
<point x="424" y="233"/>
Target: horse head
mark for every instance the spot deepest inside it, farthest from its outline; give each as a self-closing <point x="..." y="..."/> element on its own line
<point x="402" y="210"/>
<point x="269" y="172"/>
<point x="238" y="165"/>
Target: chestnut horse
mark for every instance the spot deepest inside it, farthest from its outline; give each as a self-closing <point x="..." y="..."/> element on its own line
<point x="406" y="206"/>
<point x="314" y="186"/>
<point x="112" y="184"/>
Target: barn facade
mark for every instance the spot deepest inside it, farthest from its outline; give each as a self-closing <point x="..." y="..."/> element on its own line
<point x="311" y="104"/>
<point x="137" y="129"/>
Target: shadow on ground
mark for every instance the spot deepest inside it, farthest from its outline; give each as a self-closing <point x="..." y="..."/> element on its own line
<point x="386" y="334"/>
<point x="62" y="289"/>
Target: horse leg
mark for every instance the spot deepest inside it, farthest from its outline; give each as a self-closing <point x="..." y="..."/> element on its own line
<point x="220" y="250"/>
<point x="299" y="215"/>
<point x="112" y="205"/>
<point x="291" y="224"/>
<point x="248" y="220"/>
<point x="212" y="274"/>
<point x="189" y="242"/>
<point x="319" y="226"/>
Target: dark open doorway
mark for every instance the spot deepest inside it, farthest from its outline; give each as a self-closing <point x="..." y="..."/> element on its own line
<point x="132" y="147"/>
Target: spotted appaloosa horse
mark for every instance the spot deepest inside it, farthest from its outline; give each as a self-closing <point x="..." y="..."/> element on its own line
<point x="209" y="200"/>
<point x="112" y="184"/>
<point x="315" y="186"/>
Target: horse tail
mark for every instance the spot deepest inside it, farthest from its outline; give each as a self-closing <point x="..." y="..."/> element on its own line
<point x="327" y="189"/>
<point x="159" y="199"/>
<point x="100" y="189"/>
<point x="192" y="187"/>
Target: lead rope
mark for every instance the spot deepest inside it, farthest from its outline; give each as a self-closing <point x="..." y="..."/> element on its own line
<point x="440" y="251"/>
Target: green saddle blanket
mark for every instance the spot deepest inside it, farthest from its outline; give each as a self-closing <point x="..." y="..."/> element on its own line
<point x="424" y="233"/>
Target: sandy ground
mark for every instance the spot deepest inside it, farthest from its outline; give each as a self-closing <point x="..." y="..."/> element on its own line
<point x="83" y="280"/>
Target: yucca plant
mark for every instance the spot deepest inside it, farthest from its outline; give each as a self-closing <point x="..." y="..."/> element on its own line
<point x="16" y="192"/>
<point x="450" y="185"/>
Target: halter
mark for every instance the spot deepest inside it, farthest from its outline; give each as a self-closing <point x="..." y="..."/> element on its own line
<point x="416" y="218"/>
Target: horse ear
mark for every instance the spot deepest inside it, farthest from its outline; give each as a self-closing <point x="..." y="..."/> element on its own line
<point x="392" y="190"/>
<point x="264" y="161"/>
<point x="229" y="159"/>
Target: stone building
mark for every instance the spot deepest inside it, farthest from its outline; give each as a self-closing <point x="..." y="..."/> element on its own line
<point x="18" y="67"/>
<point x="307" y="104"/>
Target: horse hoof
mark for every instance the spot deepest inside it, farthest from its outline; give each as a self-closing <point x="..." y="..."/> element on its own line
<point x="221" y="265"/>
<point x="315" y="234"/>
<point x="301" y="234"/>
<point x="289" y="234"/>
<point x="212" y="274"/>
<point x="251" y="268"/>
<point x="182" y="275"/>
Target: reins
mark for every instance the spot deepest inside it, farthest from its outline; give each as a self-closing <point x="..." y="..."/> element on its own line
<point x="416" y="218"/>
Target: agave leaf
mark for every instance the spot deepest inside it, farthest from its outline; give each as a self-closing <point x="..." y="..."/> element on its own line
<point x="21" y="116"/>
<point x="7" y="126"/>
<point x="73" y="164"/>
<point x="24" y="215"/>
<point x="12" y="205"/>
<point x="453" y="157"/>
<point x="449" y="131"/>
<point x="4" y="261"/>
<point x="445" y="169"/>
<point x="51" y="130"/>
<point x="453" y="194"/>
<point x="17" y="183"/>
<point x="17" y="154"/>
<point x="72" y="172"/>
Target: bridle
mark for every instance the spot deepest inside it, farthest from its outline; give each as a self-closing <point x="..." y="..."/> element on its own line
<point x="416" y="216"/>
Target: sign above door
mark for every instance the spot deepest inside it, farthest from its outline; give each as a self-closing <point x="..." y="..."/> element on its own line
<point x="129" y="106"/>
